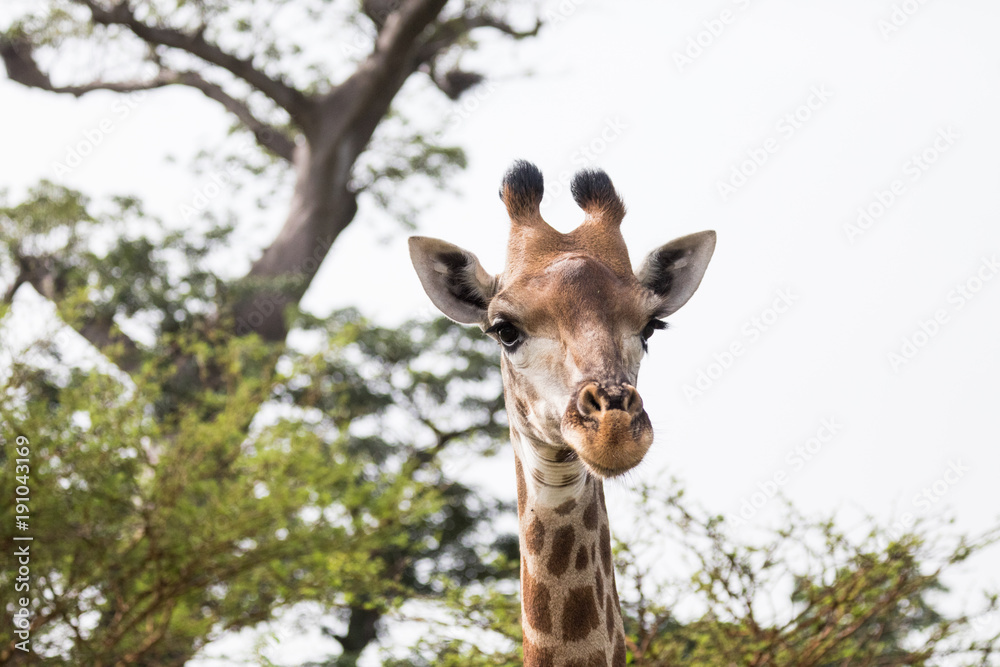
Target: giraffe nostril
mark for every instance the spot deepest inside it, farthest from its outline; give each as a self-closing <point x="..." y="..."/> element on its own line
<point x="632" y="402"/>
<point x="590" y="402"/>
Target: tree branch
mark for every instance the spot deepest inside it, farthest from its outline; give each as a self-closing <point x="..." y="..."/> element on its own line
<point x="8" y="296"/>
<point x="378" y="11"/>
<point x="18" y="58"/>
<point x="449" y="32"/>
<point x="394" y="57"/>
<point x="285" y="96"/>
<point x="98" y="330"/>
<point x="267" y="136"/>
<point x="22" y="68"/>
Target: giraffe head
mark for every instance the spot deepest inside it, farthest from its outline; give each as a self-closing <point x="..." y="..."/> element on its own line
<point x="572" y="320"/>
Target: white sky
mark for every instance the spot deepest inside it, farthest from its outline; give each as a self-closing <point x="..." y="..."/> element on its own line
<point x="606" y="77"/>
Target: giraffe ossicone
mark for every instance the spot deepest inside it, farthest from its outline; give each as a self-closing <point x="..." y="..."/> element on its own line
<point x="572" y="319"/>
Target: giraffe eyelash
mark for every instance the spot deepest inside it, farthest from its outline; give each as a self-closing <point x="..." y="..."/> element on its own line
<point x="647" y="332"/>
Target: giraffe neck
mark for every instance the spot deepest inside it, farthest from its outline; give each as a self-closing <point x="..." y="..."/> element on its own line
<point x="570" y="614"/>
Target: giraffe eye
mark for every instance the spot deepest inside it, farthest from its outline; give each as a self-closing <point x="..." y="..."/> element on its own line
<point x="651" y="328"/>
<point x="506" y="333"/>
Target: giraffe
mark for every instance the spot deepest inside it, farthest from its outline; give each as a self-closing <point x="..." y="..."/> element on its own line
<point x="572" y="320"/>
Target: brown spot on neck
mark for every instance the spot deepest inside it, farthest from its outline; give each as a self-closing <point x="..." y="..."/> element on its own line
<point x="534" y="537"/>
<point x="566" y="507"/>
<point x="590" y="515"/>
<point x="536" y="601"/>
<point x="579" y="613"/>
<point x="606" y="549"/>
<point x="562" y="550"/>
<point x="522" y="490"/>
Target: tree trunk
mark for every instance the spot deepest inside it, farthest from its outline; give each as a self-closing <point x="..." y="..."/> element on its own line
<point x="321" y="208"/>
<point x="361" y="631"/>
<point x="323" y="204"/>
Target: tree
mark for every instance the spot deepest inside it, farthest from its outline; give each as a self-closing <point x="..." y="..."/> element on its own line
<point x="167" y="441"/>
<point x="286" y="94"/>
<point x="160" y="519"/>
<point x="807" y="594"/>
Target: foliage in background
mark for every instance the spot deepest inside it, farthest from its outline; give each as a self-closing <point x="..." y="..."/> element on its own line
<point x="808" y="594"/>
<point x="228" y="478"/>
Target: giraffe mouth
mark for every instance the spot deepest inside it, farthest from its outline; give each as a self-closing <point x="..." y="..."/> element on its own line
<point x="604" y="472"/>
<point x="610" y="444"/>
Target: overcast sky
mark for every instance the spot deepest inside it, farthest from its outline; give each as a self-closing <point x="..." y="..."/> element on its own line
<point x="844" y="343"/>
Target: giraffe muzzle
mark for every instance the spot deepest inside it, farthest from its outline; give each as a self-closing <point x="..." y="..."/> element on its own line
<point x="607" y="427"/>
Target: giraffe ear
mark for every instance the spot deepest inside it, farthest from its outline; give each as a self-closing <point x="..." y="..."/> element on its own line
<point x="453" y="278"/>
<point x="674" y="271"/>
